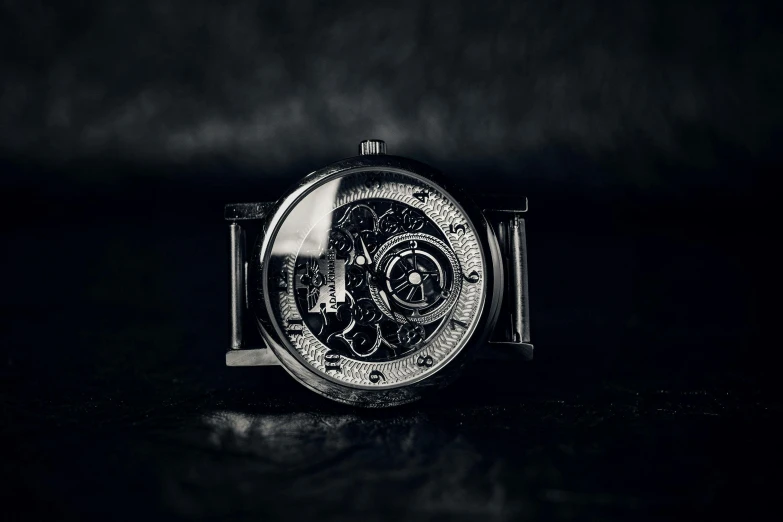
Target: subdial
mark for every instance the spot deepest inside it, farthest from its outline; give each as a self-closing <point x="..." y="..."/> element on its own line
<point x="415" y="278"/>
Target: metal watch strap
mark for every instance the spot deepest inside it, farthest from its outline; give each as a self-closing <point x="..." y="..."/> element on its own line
<point x="511" y="337"/>
<point x="246" y="347"/>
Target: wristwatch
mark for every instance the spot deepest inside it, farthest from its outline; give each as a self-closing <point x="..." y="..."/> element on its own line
<point x="374" y="281"/>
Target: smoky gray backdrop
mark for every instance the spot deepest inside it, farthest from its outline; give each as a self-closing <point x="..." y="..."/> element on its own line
<point x="158" y="83"/>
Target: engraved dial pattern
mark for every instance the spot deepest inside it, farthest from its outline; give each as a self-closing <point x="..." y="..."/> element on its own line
<point x="383" y="286"/>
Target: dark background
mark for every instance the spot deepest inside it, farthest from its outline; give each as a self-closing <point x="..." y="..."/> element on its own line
<point x="644" y="134"/>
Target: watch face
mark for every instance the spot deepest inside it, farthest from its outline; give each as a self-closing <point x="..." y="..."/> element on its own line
<point x="375" y="279"/>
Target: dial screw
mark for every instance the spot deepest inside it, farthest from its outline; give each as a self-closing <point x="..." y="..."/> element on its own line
<point x="368" y="147"/>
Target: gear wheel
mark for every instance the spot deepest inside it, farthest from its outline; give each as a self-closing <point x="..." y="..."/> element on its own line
<point x="411" y="335"/>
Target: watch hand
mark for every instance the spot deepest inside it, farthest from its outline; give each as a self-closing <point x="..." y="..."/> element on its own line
<point x="367" y="255"/>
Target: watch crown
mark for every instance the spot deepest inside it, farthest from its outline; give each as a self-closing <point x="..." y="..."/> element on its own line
<point x="372" y="147"/>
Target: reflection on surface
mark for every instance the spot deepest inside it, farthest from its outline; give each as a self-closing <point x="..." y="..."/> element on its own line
<point x="384" y="465"/>
<point x="304" y="216"/>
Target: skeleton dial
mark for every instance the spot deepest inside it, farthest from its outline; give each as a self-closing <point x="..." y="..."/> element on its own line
<point x="375" y="279"/>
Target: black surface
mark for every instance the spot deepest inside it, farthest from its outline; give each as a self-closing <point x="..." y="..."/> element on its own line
<point x="650" y="396"/>
<point x="645" y="137"/>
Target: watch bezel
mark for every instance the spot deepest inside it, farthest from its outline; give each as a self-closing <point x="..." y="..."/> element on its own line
<point x="388" y="396"/>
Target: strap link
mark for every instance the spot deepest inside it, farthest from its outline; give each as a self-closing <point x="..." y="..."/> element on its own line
<point x="240" y="354"/>
<point x="513" y="326"/>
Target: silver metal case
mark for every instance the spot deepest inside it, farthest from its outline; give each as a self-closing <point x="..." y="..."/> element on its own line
<point x="499" y="248"/>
